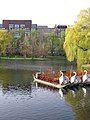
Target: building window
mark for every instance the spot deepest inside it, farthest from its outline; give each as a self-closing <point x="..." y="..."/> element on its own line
<point x="11" y="26"/>
<point x="27" y="31"/>
<point x="16" y="26"/>
<point x="22" y="26"/>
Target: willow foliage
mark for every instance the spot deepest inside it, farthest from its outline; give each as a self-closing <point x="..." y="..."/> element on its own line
<point x="77" y="40"/>
<point x="5" y="38"/>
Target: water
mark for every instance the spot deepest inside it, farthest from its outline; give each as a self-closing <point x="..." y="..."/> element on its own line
<point x="20" y="99"/>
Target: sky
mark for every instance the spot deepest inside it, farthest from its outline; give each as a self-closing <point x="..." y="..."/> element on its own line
<point x="43" y="12"/>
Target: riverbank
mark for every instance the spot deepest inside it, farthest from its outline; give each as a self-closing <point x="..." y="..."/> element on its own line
<point x="34" y="59"/>
<point x="54" y="62"/>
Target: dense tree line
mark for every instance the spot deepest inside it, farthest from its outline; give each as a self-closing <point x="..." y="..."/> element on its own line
<point x="77" y="39"/>
<point x="76" y="42"/>
<point x="36" y="44"/>
<point x="6" y="38"/>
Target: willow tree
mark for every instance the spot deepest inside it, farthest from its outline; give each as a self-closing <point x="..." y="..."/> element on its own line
<point x="77" y="40"/>
<point x="5" y="38"/>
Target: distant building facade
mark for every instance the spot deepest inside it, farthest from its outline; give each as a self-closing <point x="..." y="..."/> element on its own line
<point x="1" y="26"/>
<point x="45" y="29"/>
<point x="34" y="26"/>
<point x="17" y="25"/>
<point x="60" y="28"/>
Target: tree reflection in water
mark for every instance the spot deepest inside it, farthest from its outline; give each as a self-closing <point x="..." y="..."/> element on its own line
<point x="80" y="102"/>
<point x="16" y="83"/>
<point x="19" y="84"/>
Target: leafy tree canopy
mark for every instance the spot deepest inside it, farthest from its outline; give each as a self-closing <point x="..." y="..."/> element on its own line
<point x="5" y="38"/>
<point x="77" y="40"/>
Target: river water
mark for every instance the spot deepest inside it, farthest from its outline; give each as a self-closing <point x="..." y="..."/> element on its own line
<point x="20" y="99"/>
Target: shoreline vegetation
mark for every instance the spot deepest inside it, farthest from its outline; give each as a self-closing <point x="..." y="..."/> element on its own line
<point x="48" y="58"/>
<point x="35" y="58"/>
<point x="12" y="62"/>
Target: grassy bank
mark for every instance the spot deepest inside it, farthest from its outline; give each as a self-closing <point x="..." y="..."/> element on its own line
<point x="32" y="59"/>
<point x="20" y="58"/>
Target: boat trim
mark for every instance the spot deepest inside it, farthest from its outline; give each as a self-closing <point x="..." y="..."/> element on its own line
<point x="48" y="83"/>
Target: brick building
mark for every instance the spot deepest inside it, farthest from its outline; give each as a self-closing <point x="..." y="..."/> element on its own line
<point x="17" y="25"/>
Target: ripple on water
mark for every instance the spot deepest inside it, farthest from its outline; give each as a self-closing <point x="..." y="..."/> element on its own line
<point x="44" y="105"/>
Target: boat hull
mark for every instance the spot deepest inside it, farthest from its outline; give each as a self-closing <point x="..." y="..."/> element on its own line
<point x="48" y="83"/>
<point x="56" y="85"/>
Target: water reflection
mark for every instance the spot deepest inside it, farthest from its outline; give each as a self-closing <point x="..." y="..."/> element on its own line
<point x="15" y="82"/>
<point x="20" y="99"/>
<point x="77" y="97"/>
<point x="73" y="93"/>
<point x="84" y="91"/>
<point x="79" y="100"/>
<point x="37" y="65"/>
<point x="61" y="93"/>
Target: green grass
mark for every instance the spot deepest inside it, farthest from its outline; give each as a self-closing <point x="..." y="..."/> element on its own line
<point x="21" y="58"/>
<point x="33" y="59"/>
